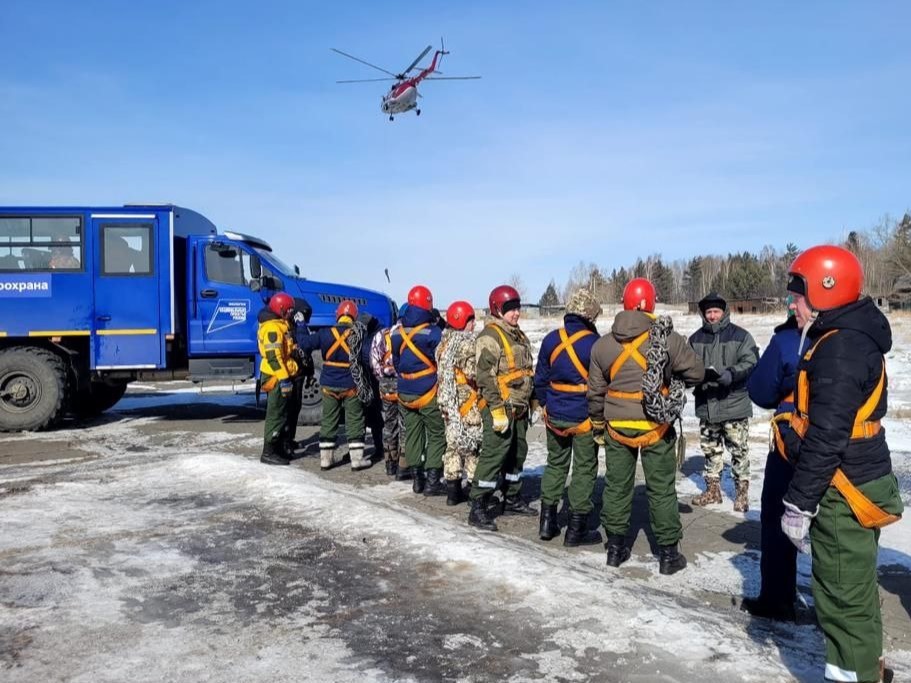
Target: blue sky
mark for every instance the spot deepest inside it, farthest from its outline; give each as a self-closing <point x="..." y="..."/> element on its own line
<point x="599" y="132"/>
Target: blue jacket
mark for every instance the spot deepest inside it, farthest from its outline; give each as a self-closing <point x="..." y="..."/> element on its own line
<point x="405" y="361"/>
<point x="324" y="340"/>
<point x="775" y="375"/>
<point x="562" y="405"/>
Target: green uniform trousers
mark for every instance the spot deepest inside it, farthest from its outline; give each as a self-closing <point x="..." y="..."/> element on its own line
<point x="659" y="463"/>
<point x="332" y="414"/>
<point x="501" y="453"/>
<point x="580" y="450"/>
<point x="845" y="586"/>
<point x="276" y="417"/>
<point x="425" y="431"/>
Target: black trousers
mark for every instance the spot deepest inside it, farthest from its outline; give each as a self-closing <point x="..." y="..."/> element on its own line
<point x="778" y="564"/>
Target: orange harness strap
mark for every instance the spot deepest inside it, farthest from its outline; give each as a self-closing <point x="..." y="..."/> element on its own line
<point x="420" y="401"/>
<point x="868" y="513"/>
<point x="643" y="440"/>
<point x="630" y="350"/>
<point x="269" y="384"/>
<point x="513" y="373"/>
<point x="407" y="342"/>
<point x="567" y="346"/>
<point x="340" y="343"/>
<point x="583" y="427"/>
<point x="392" y="398"/>
<point x="472" y="399"/>
<point x="340" y="395"/>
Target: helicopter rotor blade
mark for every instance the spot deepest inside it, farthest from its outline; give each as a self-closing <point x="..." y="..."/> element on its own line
<point x="419" y="58"/>
<point x="452" y="78"/>
<point x="368" y="80"/>
<point x="358" y="59"/>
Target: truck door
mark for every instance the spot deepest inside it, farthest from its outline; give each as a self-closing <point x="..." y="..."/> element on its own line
<point x="127" y="333"/>
<point x="226" y="308"/>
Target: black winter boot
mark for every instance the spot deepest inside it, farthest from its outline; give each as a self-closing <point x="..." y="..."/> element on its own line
<point x="617" y="551"/>
<point x="454" y="492"/>
<point x="392" y="468"/>
<point x="436" y="485"/>
<point x="766" y="609"/>
<point x="272" y="455"/>
<point x="670" y="560"/>
<point x="548" y="527"/>
<point x="478" y="515"/>
<point x="419" y="480"/>
<point x="517" y="505"/>
<point x="578" y="533"/>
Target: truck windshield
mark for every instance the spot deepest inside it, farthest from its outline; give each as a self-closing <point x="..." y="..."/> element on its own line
<point x="280" y="265"/>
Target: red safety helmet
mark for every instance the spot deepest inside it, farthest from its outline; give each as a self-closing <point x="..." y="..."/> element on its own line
<point x="421" y="297"/>
<point x="639" y="295"/>
<point x="459" y="314"/>
<point x="500" y="296"/>
<point x="828" y="276"/>
<point x="348" y="308"/>
<point x="281" y="304"/>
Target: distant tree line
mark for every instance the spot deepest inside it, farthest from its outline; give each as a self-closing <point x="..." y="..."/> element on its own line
<point x="884" y="250"/>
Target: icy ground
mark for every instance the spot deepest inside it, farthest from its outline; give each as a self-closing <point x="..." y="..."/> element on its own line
<point x="151" y="545"/>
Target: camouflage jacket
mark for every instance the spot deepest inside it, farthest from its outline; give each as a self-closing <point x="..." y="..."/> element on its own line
<point x="500" y="382"/>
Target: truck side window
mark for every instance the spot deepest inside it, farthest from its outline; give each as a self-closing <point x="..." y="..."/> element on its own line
<point x="126" y="250"/>
<point x="225" y="265"/>
<point x="41" y="243"/>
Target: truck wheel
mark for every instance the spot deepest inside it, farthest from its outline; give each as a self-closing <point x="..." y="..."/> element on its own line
<point x="100" y="397"/>
<point x="32" y="389"/>
<point x="312" y="398"/>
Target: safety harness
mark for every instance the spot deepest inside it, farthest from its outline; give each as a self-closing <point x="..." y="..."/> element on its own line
<point x="655" y="431"/>
<point x="341" y="342"/>
<point x="567" y="346"/>
<point x="868" y="513"/>
<point x="462" y="380"/>
<point x="391" y="396"/>
<point x="429" y="367"/>
<point x="512" y="373"/>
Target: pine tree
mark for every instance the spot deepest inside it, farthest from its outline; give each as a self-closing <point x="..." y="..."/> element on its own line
<point x="550" y="298"/>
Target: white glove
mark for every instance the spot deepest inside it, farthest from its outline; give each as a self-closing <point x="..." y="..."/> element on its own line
<point x="795" y="524"/>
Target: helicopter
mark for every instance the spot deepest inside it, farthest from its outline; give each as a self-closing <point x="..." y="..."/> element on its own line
<point x="403" y="94"/>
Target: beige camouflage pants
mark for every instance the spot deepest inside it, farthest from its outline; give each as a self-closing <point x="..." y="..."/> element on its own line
<point x="457" y="460"/>
<point x="733" y="435"/>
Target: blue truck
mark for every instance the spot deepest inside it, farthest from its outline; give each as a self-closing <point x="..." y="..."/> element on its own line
<point x="92" y="298"/>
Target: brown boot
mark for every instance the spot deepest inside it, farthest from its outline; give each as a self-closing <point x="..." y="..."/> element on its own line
<point x="712" y="494"/>
<point x="742" y="498"/>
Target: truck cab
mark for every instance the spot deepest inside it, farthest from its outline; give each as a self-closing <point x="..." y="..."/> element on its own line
<point x="92" y="298"/>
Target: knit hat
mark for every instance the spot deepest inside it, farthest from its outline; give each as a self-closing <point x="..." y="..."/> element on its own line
<point x="583" y="303"/>
<point x="797" y="284"/>
<point x="510" y="305"/>
<point x="712" y="300"/>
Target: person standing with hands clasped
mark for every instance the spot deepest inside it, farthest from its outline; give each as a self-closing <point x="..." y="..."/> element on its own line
<point x="722" y="403"/>
<point x="843" y="490"/>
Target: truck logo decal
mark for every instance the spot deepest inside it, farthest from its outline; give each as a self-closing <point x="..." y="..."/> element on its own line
<point x="228" y="313"/>
<point x="25" y="286"/>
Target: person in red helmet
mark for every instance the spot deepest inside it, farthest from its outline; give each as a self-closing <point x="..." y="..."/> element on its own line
<point x="414" y="346"/>
<point x="504" y="366"/>
<point x="843" y="490"/>
<point x="339" y="391"/>
<point x="277" y="371"/>
<point x="459" y="400"/>
<point x="637" y="376"/>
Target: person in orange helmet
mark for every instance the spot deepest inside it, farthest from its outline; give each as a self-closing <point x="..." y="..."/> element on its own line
<point x="636" y="382"/>
<point x="843" y="490"/>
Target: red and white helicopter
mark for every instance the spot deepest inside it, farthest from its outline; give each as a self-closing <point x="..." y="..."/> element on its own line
<point x="403" y="94"/>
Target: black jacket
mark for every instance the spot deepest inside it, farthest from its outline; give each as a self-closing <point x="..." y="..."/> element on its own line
<point x="843" y="374"/>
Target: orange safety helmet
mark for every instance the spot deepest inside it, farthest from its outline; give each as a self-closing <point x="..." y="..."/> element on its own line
<point x="421" y="297"/>
<point x="347" y="307"/>
<point x="459" y="314"/>
<point x="281" y="304"/>
<point x="639" y="295"/>
<point x="502" y="295"/>
<point x="828" y="276"/>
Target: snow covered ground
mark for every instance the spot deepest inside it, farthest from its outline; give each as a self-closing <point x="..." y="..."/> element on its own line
<point x="151" y="545"/>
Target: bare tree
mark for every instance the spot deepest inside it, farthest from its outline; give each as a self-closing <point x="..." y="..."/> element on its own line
<point x="515" y="281"/>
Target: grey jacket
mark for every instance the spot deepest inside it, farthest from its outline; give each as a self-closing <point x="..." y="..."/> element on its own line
<point x="724" y="346"/>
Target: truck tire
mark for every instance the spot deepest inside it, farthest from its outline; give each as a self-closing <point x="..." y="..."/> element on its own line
<point x="101" y="396"/>
<point x="312" y="398"/>
<point x="32" y="388"/>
